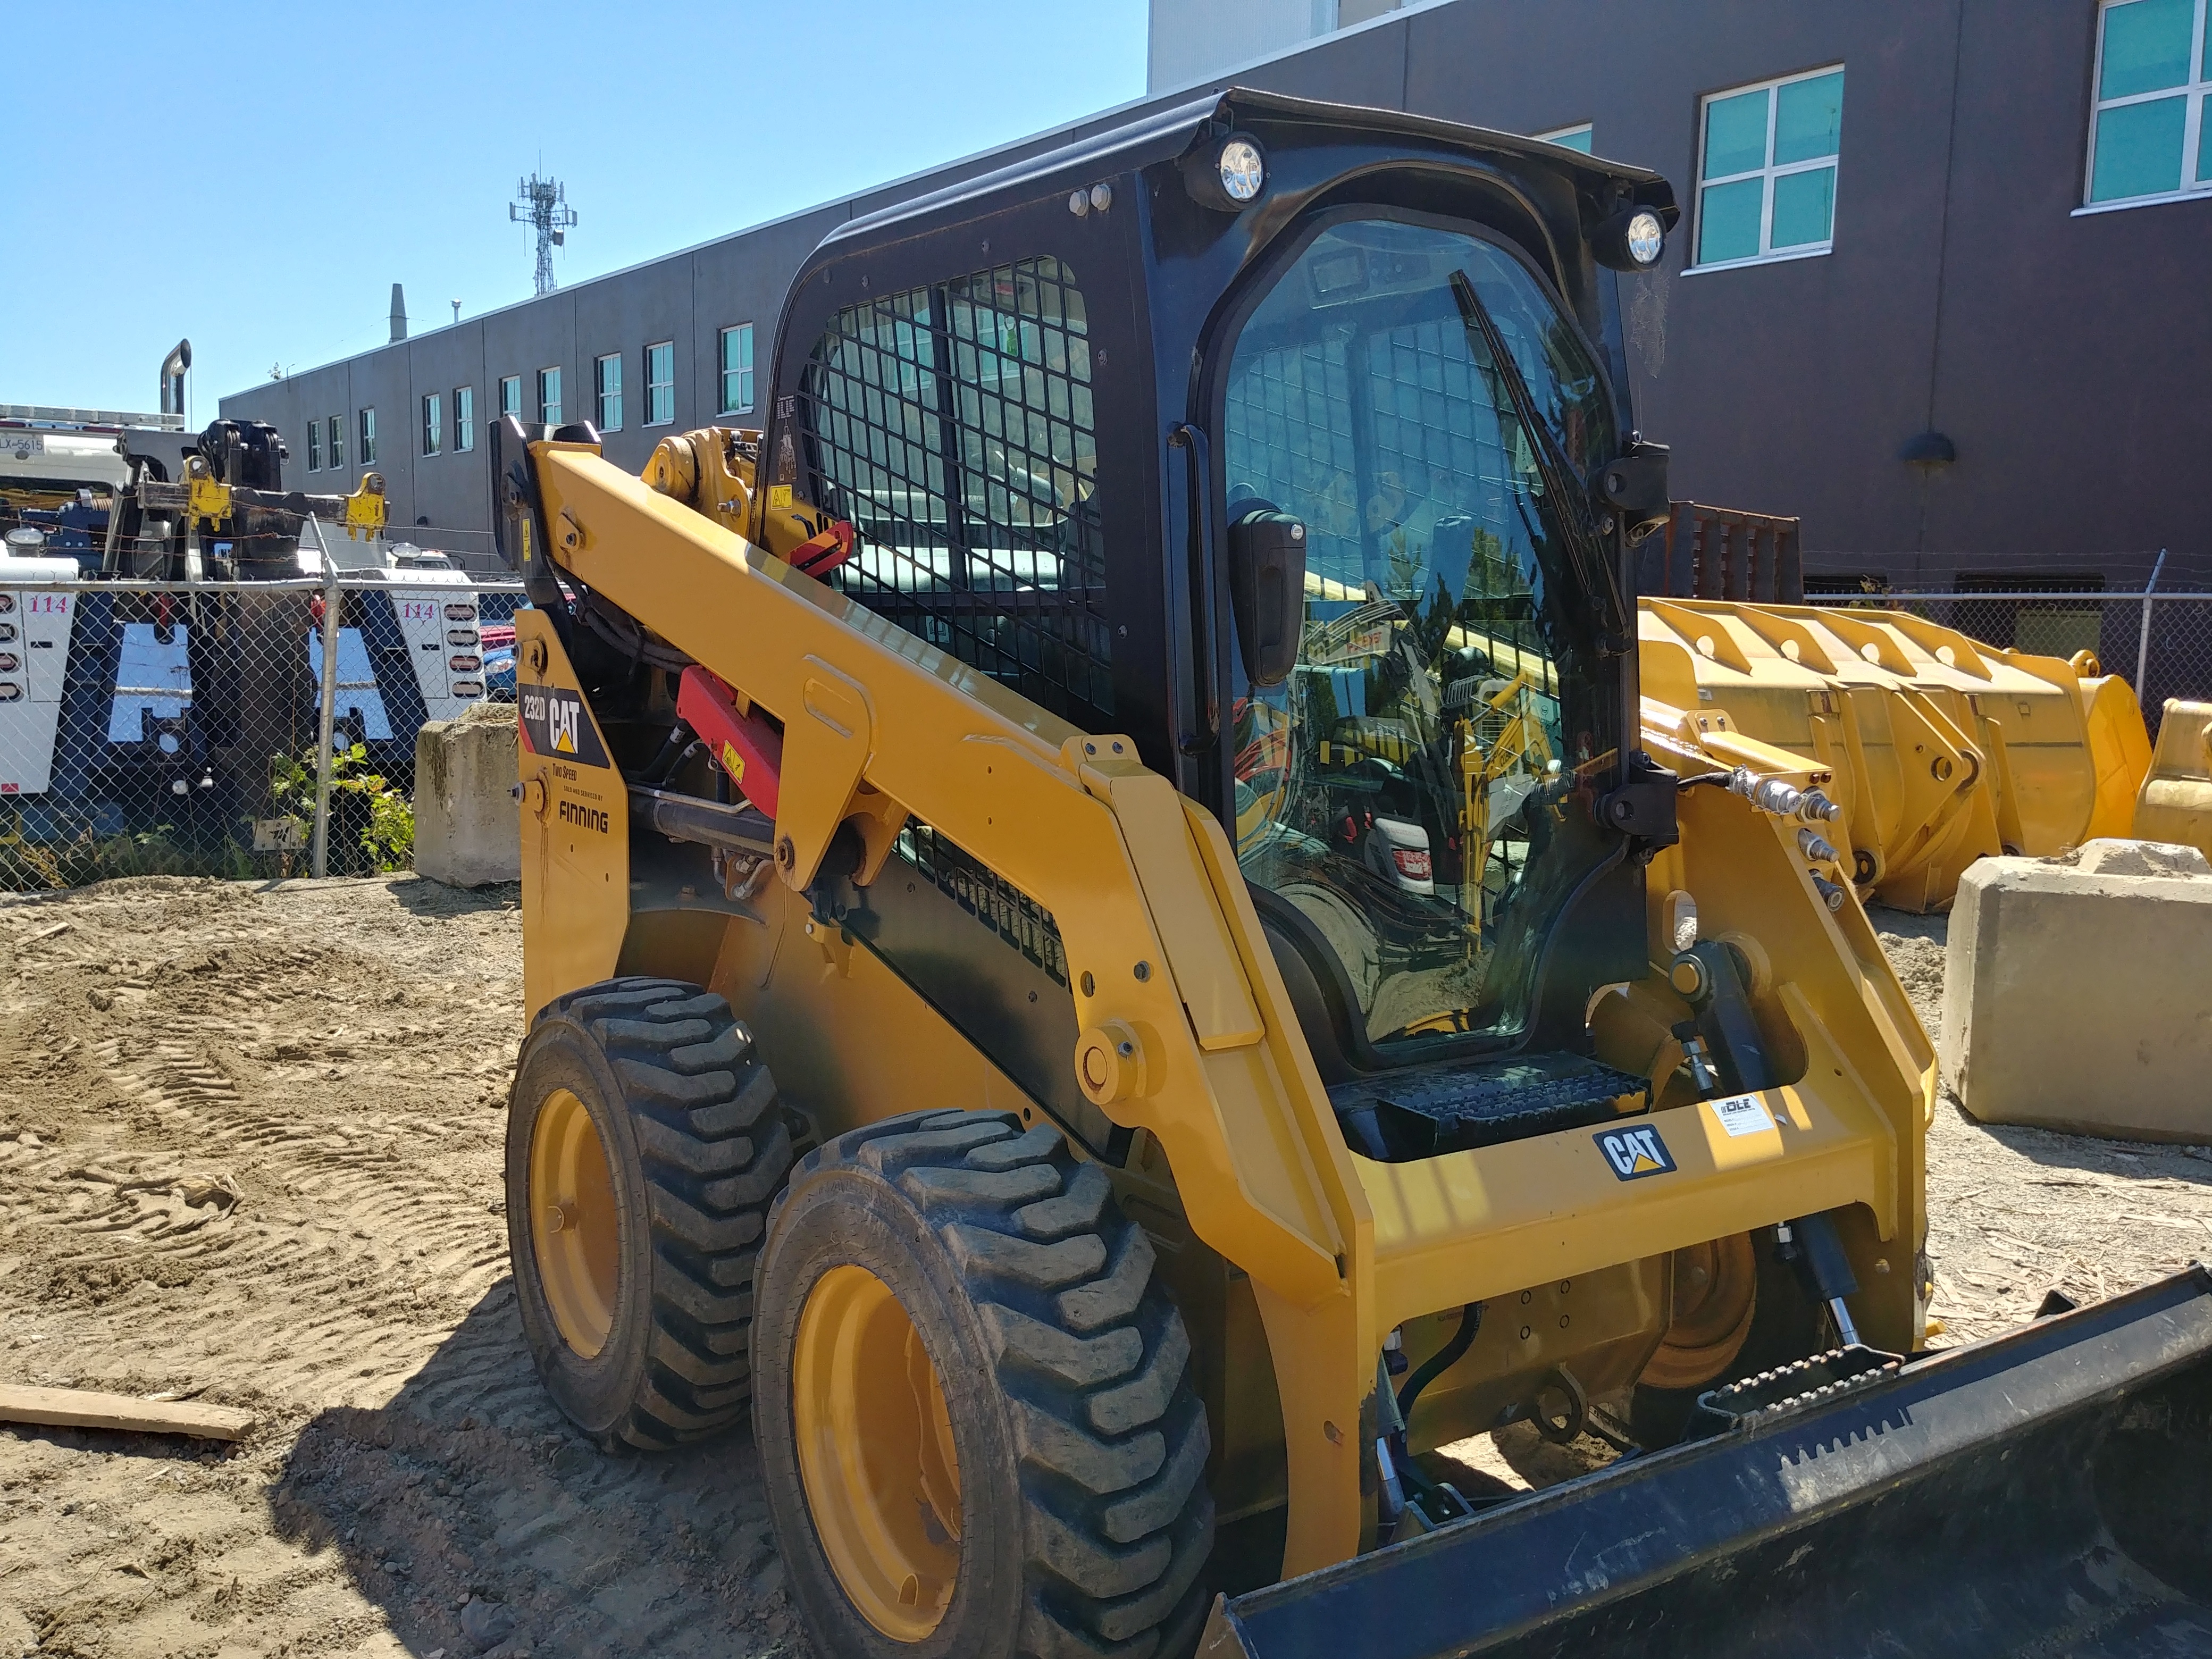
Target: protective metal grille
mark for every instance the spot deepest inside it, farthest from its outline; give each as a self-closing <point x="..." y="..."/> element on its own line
<point x="952" y="425"/>
<point x="1015" y="917"/>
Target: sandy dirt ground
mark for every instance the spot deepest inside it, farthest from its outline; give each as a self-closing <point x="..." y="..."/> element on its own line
<point x="2015" y="1212"/>
<point x="250" y="1153"/>
<point x="250" y="1145"/>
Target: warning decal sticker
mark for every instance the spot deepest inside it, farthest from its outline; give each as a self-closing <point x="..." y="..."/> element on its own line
<point x="1743" y="1114"/>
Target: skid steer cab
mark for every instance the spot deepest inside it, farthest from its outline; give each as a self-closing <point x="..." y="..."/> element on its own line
<point x="1105" y="950"/>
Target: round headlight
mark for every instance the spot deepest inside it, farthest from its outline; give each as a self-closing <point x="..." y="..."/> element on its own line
<point x="1647" y="237"/>
<point x="1632" y="239"/>
<point x="1243" y="172"/>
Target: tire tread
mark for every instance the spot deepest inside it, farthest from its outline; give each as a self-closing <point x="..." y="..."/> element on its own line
<point x="716" y="1151"/>
<point x="1093" y="1361"/>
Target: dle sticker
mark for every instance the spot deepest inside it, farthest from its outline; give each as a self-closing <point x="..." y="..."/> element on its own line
<point x="554" y="723"/>
<point x="1743" y="1114"/>
<point x="1635" y="1153"/>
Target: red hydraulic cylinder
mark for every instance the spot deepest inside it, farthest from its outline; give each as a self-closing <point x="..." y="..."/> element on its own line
<point x="745" y="746"/>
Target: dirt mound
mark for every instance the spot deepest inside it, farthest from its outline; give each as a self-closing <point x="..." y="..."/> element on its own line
<point x="1918" y="958"/>
<point x="250" y="1149"/>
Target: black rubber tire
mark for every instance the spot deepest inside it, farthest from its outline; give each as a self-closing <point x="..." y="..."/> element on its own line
<point x="1082" y="1445"/>
<point x="697" y="1147"/>
<point x="1786" y="1324"/>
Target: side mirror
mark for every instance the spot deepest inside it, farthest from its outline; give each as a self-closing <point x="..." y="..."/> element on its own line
<point x="1267" y="590"/>
<point x="1635" y="486"/>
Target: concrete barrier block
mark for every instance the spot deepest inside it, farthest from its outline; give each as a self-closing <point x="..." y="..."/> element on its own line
<point x="467" y="833"/>
<point x="2075" y="992"/>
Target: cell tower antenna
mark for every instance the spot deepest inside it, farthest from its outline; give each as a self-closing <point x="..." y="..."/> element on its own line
<point x="542" y="203"/>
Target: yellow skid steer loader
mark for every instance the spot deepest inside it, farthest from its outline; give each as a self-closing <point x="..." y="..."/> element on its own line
<point x="1034" y="995"/>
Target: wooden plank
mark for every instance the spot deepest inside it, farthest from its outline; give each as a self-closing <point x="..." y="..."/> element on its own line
<point x="81" y="1409"/>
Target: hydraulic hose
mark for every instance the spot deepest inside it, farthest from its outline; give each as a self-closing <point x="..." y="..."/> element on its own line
<point x="1470" y="1321"/>
<point x="678" y="747"/>
<point x="618" y="629"/>
<point x="1437" y="1503"/>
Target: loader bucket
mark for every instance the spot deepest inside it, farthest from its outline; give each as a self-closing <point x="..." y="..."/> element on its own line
<point x="2048" y="1492"/>
<point x="2175" y="802"/>
<point x="1941" y="749"/>
<point x="2120" y="748"/>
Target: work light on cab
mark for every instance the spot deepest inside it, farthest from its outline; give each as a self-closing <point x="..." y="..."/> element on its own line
<point x="1228" y="173"/>
<point x="1646" y="237"/>
<point x="1633" y="239"/>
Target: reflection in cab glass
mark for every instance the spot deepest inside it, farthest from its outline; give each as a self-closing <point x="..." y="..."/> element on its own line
<point x="1420" y="789"/>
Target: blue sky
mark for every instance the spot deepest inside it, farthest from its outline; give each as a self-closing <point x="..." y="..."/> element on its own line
<point x="257" y="178"/>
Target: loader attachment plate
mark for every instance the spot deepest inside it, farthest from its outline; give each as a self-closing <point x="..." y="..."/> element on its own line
<point x="2048" y="1492"/>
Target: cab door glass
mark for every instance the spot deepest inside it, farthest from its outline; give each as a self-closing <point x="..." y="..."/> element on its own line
<point x="1420" y="789"/>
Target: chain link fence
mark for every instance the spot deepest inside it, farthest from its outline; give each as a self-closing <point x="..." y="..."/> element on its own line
<point x="173" y="727"/>
<point x="2160" y="643"/>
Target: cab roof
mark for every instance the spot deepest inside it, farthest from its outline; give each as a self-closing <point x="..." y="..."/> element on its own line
<point x="1166" y="135"/>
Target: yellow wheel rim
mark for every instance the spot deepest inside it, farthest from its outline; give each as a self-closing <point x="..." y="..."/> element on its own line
<point x="875" y="1453"/>
<point x="1715" y="1294"/>
<point x="573" y="1226"/>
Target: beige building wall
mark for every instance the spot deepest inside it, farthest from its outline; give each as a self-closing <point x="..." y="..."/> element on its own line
<point x="1192" y="40"/>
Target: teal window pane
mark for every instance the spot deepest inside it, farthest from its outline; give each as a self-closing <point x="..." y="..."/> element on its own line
<point x="1736" y="134"/>
<point x="2146" y="46"/>
<point x="1808" y="118"/>
<point x="1804" y="208"/>
<point x="2204" y="140"/>
<point x="2139" y="150"/>
<point x="1728" y="220"/>
<point x="1579" y="139"/>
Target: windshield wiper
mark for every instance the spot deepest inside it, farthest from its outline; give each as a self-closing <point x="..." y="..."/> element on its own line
<point x="1591" y="567"/>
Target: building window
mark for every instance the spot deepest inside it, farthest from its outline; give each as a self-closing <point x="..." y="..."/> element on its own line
<point x="433" y="423"/>
<point x="607" y="373"/>
<point x="510" y="395"/>
<point x="2151" y="138"/>
<point x="737" y="369"/>
<point x="1570" y="138"/>
<point x="314" y="446"/>
<point x="337" y="425"/>
<point x="464" y="418"/>
<point x="368" y="437"/>
<point x="1767" y="169"/>
<point x="548" y="396"/>
<point x="660" y="384"/>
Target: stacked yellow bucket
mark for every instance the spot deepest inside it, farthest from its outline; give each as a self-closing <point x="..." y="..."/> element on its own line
<point x="1940" y="749"/>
